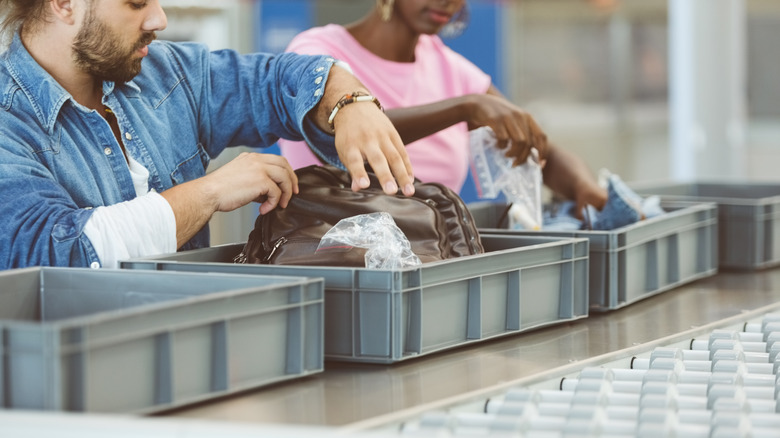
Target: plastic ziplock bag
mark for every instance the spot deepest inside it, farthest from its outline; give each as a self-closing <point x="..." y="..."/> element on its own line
<point x="387" y="246"/>
<point x="495" y="174"/>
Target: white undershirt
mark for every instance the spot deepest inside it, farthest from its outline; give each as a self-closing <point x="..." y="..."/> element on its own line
<point x="142" y="227"/>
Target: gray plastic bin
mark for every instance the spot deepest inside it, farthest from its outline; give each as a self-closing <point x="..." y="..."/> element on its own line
<point x="386" y="316"/>
<point x="748" y="218"/>
<point x="639" y="260"/>
<point x="138" y="342"/>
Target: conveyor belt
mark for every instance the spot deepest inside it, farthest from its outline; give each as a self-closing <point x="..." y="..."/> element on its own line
<point x="720" y="383"/>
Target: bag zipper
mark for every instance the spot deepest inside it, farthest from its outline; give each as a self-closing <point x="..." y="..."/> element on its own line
<point x="240" y="258"/>
<point x="279" y="242"/>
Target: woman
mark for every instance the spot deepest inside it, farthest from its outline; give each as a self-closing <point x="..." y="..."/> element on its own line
<point x="434" y="96"/>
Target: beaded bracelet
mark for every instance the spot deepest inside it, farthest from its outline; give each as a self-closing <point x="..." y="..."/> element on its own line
<point x="357" y="96"/>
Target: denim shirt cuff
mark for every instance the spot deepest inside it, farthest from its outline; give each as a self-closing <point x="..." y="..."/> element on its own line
<point x="70" y="229"/>
<point x="321" y="142"/>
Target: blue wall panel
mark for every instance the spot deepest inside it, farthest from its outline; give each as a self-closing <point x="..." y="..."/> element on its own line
<point x="481" y="43"/>
<point x="278" y="22"/>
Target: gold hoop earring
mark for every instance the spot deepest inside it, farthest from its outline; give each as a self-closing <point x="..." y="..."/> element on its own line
<point x="386" y="9"/>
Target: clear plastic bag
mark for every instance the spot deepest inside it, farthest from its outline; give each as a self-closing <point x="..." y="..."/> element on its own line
<point x="387" y="246"/>
<point x="495" y="174"/>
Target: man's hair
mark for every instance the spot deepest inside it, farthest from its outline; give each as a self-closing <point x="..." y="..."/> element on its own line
<point x="16" y="13"/>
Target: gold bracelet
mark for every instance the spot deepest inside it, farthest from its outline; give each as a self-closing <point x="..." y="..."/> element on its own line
<point x="357" y="96"/>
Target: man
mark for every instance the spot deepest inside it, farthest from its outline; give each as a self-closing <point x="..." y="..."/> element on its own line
<point x="105" y="135"/>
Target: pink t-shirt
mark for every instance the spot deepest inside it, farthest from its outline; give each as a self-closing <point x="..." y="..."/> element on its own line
<point x="438" y="73"/>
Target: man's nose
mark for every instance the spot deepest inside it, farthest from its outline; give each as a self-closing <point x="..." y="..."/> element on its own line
<point x="156" y="20"/>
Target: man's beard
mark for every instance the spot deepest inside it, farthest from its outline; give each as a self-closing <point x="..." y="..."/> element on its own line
<point x="99" y="51"/>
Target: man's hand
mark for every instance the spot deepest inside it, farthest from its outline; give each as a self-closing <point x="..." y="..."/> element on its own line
<point x="364" y="133"/>
<point x="249" y="177"/>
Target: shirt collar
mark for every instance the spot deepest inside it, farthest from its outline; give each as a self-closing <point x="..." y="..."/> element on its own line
<point x="46" y="95"/>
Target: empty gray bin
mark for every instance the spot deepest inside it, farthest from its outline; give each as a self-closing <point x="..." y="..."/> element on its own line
<point x="138" y="342"/>
<point x="639" y="260"/>
<point x="386" y="316"/>
<point x="748" y="218"/>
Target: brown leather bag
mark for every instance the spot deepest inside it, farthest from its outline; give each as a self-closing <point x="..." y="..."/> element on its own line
<point x="435" y="220"/>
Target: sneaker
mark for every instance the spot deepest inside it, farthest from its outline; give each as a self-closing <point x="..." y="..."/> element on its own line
<point x="623" y="207"/>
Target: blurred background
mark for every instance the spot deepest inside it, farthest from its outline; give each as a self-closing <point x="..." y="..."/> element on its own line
<point x="650" y="89"/>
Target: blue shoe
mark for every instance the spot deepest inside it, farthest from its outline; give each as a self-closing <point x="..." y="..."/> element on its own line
<point x="623" y="207"/>
<point x="651" y="207"/>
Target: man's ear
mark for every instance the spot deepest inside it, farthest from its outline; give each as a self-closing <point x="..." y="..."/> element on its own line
<point x="62" y="11"/>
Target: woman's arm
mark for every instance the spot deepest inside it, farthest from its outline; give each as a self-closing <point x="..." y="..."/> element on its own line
<point x="564" y="173"/>
<point x="416" y="122"/>
<point x="509" y="122"/>
<point x="568" y="175"/>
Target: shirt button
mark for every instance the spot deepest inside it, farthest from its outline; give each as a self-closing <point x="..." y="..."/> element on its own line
<point x="107" y="150"/>
<point x="318" y="80"/>
<point x="94" y="265"/>
<point x="128" y="136"/>
<point x="318" y="92"/>
<point x="319" y="69"/>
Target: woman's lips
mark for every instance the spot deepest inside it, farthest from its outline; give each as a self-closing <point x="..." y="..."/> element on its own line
<point x="439" y="17"/>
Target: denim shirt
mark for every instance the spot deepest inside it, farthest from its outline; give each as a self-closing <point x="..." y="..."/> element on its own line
<point x="60" y="160"/>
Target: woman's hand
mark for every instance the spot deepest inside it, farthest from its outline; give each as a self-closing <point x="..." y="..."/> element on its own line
<point x="510" y="123"/>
